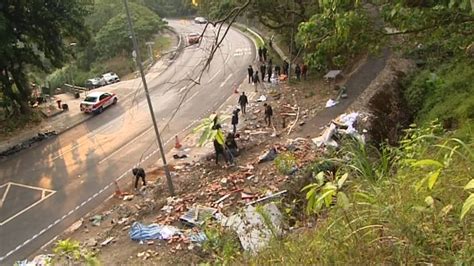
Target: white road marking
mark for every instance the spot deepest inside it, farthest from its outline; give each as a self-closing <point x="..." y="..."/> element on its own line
<point x="214" y="76"/>
<point x="117" y="151"/>
<point x="192" y="96"/>
<point x="61" y="154"/>
<point x="225" y="81"/>
<point x="5" y="194"/>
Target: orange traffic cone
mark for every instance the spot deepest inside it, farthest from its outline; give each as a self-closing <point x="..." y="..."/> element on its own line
<point x="177" y="145"/>
<point x="118" y="192"/>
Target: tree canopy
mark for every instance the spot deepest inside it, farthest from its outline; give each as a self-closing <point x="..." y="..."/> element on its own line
<point x="37" y="33"/>
<point x="114" y="36"/>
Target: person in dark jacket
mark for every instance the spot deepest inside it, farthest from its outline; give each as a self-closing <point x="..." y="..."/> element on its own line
<point x="269" y="72"/>
<point x="285" y="67"/>
<point x="268" y="114"/>
<point x="298" y="71"/>
<point x="277" y="70"/>
<point x="250" y="71"/>
<point x="235" y="120"/>
<point x="231" y="145"/>
<point x="255" y="80"/>
<point x="260" y="54"/>
<point x="139" y="173"/>
<point x="243" y="101"/>
<point x="264" y="53"/>
<point x="263" y="68"/>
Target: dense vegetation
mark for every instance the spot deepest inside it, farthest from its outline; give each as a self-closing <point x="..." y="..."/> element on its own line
<point x="73" y="40"/>
<point x="411" y="203"/>
<point x="109" y="48"/>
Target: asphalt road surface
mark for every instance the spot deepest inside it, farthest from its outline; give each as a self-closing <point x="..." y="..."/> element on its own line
<point x="45" y="189"/>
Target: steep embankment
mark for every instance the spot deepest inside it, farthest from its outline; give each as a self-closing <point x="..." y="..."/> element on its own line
<point x="400" y="204"/>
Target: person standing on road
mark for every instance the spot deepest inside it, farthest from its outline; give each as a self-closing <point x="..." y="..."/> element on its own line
<point x="255" y="80"/>
<point x="298" y="71"/>
<point x="304" y="70"/>
<point x="139" y="173"/>
<point x="268" y="114"/>
<point x="219" y="142"/>
<point x="250" y="71"/>
<point x="277" y="70"/>
<point x="243" y="101"/>
<point x="264" y="53"/>
<point x="269" y="72"/>
<point x="235" y="120"/>
<point x="260" y="54"/>
<point x="285" y="67"/>
<point x="263" y="67"/>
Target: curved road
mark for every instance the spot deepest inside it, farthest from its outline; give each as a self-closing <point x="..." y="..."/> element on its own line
<point x="45" y="189"/>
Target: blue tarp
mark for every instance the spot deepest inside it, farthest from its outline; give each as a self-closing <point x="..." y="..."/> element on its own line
<point x="140" y="231"/>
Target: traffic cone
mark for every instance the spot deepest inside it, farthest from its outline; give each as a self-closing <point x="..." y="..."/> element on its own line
<point x="177" y="145"/>
<point x="118" y="193"/>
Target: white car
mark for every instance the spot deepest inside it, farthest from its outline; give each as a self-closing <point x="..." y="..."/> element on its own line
<point x="200" y="20"/>
<point x="110" y="77"/>
<point x="96" y="102"/>
<point x="95" y="83"/>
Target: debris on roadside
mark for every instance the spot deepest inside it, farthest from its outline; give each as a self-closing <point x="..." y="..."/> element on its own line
<point x="141" y="232"/>
<point x="269" y="155"/>
<point x="331" y="103"/>
<point x="96" y="219"/>
<point x="198" y="215"/>
<point x="344" y="124"/>
<point x="256" y="226"/>
<point x="39" y="260"/>
<point x="107" y="241"/>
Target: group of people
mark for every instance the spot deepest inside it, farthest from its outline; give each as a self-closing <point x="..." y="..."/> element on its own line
<point x="267" y="71"/>
<point x="226" y="146"/>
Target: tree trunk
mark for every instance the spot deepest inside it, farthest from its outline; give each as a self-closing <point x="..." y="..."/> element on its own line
<point x="23" y="88"/>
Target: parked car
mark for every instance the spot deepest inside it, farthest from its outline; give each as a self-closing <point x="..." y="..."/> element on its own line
<point x="95" y="83"/>
<point x="111" y="77"/>
<point x="200" y="20"/>
<point x="96" y="102"/>
<point x="194" y="38"/>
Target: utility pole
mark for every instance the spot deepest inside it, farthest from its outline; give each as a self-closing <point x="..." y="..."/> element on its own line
<point x="150" y="106"/>
<point x="291" y="41"/>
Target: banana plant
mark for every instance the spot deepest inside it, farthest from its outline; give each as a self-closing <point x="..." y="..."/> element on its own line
<point x="206" y="128"/>
<point x="321" y="194"/>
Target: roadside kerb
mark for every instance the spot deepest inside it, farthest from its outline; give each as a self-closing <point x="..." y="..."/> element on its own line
<point x="81" y="118"/>
<point x="259" y="35"/>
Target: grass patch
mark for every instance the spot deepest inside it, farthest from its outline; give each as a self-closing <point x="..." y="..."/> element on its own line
<point x="395" y="219"/>
<point x="447" y="94"/>
<point x="10" y="126"/>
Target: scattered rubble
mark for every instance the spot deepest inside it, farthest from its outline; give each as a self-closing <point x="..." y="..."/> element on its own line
<point x="255" y="227"/>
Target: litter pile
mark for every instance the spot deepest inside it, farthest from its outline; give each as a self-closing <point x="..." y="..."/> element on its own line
<point x="344" y="124"/>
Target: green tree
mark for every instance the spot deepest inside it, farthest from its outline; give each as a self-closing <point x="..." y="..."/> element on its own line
<point x="170" y="8"/>
<point x="438" y="27"/>
<point x="114" y="36"/>
<point x="34" y="32"/>
<point x="331" y="38"/>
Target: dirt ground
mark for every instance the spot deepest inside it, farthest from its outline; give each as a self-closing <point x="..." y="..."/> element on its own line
<point x="202" y="183"/>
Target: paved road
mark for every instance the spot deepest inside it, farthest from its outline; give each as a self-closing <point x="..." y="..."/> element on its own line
<point x="45" y="189"/>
